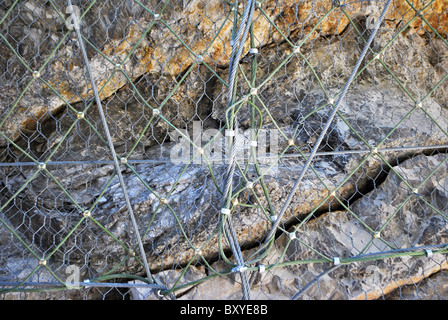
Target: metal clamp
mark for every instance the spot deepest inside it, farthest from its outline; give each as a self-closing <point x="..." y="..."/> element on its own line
<point x="239" y="269"/>
<point x="261" y="268"/>
<point x="225" y="211"/>
<point x="230" y="133"/>
<point x="253" y="51"/>
<point x="429" y="253"/>
<point x="336" y="261"/>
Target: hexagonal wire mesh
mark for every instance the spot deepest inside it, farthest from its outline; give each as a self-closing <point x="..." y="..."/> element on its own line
<point x="218" y="150"/>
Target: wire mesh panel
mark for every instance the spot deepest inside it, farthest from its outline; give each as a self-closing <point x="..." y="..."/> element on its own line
<point x="223" y="150"/>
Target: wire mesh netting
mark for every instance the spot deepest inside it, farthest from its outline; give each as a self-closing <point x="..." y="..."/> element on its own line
<point x="284" y="149"/>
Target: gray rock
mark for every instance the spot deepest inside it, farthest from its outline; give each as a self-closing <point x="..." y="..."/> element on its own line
<point x="375" y="113"/>
<point x="346" y="235"/>
<point x="195" y="198"/>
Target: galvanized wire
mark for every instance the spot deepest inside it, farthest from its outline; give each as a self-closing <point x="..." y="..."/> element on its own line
<point x="109" y="140"/>
<point x="328" y="123"/>
<point x="237" y="50"/>
<point x="238" y="193"/>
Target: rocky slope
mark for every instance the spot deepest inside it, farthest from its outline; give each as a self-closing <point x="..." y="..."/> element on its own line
<point x="377" y="112"/>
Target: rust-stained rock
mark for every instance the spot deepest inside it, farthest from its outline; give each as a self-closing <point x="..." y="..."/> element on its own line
<point x="179" y="67"/>
<point x="160" y="51"/>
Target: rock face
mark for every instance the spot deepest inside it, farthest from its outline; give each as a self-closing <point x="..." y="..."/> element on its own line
<point x="405" y="221"/>
<point x="389" y="134"/>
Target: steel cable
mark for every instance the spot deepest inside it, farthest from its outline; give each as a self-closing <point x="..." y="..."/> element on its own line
<point x="237" y="50"/>
<point x="110" y="143"/>
<point x="327" y="125"/>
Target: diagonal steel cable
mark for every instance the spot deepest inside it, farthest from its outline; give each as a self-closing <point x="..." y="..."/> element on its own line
<point x="328" y="123"/>
<point x="324" y="259"/>
<point x="43" y="164"/>
<point x="149" y="106"/>
<point x="109" y="140"/>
